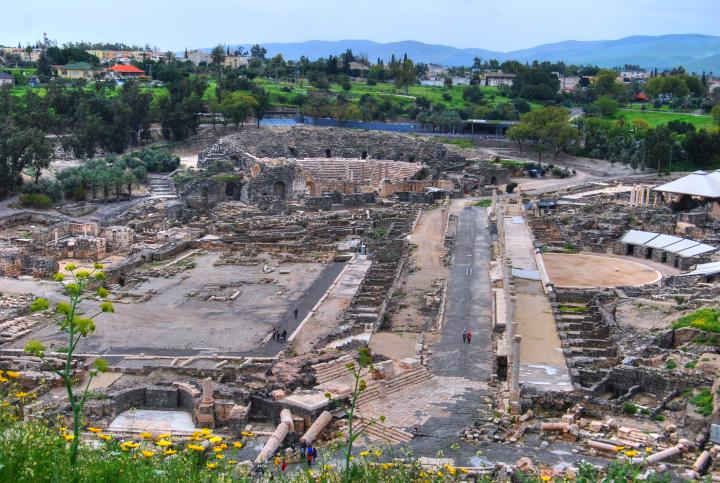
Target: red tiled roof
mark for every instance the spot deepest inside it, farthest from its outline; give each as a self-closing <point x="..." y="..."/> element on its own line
<point x="126" y="69"/>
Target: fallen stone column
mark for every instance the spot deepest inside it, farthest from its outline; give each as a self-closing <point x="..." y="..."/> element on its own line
<point x="662" y="455"/>
<point x="601" y="446"/>
<point x="555" y="427"/>
<point x="316" y="428"/>
<point x="276" y="438"/>
<point x="287" y="418"/>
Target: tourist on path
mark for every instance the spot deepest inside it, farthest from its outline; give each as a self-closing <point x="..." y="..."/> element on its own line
<point x="469" y="336"/>
<point x="464" y="336"/>
<point x="296" y="312"/>
<point x="274" y="333"/>
<point x="283" y="336"/>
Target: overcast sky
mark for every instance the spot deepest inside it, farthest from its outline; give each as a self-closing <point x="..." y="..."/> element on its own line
<point x="490" y="24"/>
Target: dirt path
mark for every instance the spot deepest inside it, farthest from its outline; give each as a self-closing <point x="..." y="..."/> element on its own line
<point x="412" y="317"/>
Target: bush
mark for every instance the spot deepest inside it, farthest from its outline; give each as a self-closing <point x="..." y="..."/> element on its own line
<point x="707" y="319"/>
<point x="52" y="189"/>
<point x="630" y="408"/>
<point x="511" y="187"/>
<point x="703" y="402"/>
<point x="153" y="159"/>
<point x="36" y="200"/>
<point x="670" y="364"/>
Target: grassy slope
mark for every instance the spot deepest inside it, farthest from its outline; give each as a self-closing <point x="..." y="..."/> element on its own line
<point x="655" y="118"/>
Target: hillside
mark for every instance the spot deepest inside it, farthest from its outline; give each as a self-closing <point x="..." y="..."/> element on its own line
<point x="695" y="52"/>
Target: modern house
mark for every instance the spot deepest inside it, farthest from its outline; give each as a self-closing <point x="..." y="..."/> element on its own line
<point x="77" y="70"/>
<point x="6" y="79"/>
<point x="125" y="72"/>
<point x="495" y="79"/>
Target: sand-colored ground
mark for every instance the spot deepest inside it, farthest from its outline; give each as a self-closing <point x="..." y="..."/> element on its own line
<point x="582" y="271"/>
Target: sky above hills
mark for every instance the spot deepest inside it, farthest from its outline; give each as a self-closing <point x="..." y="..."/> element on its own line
<point x="487" y="24"/>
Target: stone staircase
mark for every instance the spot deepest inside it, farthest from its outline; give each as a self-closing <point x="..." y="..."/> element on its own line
<point x="330" y="371"/>
<point x="383" y="388"/>
<point x="382" y="431"/>
<point x="161" y="187"/>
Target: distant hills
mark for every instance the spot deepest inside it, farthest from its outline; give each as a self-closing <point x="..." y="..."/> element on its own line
<point x="694" y="52"/>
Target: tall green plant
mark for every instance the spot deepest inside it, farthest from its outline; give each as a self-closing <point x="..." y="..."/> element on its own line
<point x="72" y="321"/>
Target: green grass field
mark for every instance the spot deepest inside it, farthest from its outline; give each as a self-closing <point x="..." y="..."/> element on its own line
<point x="655" y="119"/>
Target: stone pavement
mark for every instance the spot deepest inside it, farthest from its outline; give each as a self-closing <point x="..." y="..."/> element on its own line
<point x="465" y="366"/>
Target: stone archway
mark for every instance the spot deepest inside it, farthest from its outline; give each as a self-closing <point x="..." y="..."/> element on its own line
<point x="279" y="190"/>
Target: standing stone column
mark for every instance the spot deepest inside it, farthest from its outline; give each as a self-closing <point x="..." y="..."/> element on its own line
<point x="516" y="364"/>
<point x="632" y="196"/>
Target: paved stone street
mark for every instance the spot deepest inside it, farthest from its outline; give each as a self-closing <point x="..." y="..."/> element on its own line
<point x="468" y="306"/>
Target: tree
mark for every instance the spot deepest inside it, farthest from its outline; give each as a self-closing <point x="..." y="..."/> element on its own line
<point x="606" y="106"/>
<point x="551" y="126"/>
<point x="218" y="57"/>
<point x="519" y="133"/>
<point x="262" y="103"/>
<point x="606" y="84"/>
<point x="72" y="321"/>
<point x="237" y="107"/>
<point x="405" y="76"/>
<point x="715" y="113"/>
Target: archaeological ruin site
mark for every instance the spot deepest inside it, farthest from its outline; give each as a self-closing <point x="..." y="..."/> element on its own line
<point x="533" y="328"/>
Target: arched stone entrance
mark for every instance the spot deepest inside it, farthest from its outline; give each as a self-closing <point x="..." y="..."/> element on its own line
<point x="279" y="190"/>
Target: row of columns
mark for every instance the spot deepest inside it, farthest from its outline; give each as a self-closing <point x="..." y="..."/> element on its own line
<point x="640" y="195"/>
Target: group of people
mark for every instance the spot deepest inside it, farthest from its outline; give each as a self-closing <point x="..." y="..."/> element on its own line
<point x="467" y="336"/>
<point x="279" y="336"/>
<point x="308" y="452"/>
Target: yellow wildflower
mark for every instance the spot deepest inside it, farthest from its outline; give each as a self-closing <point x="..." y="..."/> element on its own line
<point x="2" y="379"/>
<point x="237" y="444"/>
<point x="196" y="434"/>
<point x="164" y="436"/>
<point x="450" y="469"/>
<point x="169" y="452"/>
<point x="147" y="454"/>
<point x="648" y="450"/>
<point x="223" y="446"/>
<point x="377" y="453"/>
<point x="232" y="462"/>
<point x="440" y="473"/>
<point x="215" y="439"/>
<point x="21" y="395"/>
<point x="105" y="437"/>
<point x="217" y="449"/>
<point x="631" y="453"/>
<point x="94" y="430"/>
<point x="205" y="432"/>
<point x="69" y="437"/>
<point x="464" y="471"/>
<point x="618" y="448"/>
<point x="387" y="466"/>
<point x="247" y="434"/>
<point x="364" y="453"/>
<point x="13" y="374"/>
<point x="211" y="466"/>
<point x="195" y="447"/>
<point x="146" y="435"/>
<point x="163" y="443"/>
<point x="545" y="477"/>
<point x="220" y="456"/>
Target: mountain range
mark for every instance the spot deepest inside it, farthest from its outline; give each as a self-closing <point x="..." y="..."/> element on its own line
<point x="695" y="52"/>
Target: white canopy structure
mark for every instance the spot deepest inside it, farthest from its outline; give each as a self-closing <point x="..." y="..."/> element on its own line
<point x="698" y="183"/>
<point x="670" y="243"/>
<point x="712" y="268"/>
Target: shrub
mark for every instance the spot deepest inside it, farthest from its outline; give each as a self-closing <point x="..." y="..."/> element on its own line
<point x="706" y="319"/>
<point x="572" y="309"/>
<point x="670" y="364"/>
<point x="36" y="200"/>
<point x="659" y="417"/>
<point x="691" y="365"/>
<point x="52" y="189"/>
<point x="483" y="203"/>
<point x="511" y="187"/>
<point x="703" y="401"/>
<point x="630" y="408"/>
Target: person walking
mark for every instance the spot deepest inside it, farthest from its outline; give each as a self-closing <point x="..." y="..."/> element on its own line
<point x="274" y="333"/>
<point x="296" y="312"/>
<point x="283" y="336"/>
<point x="469" y="336"/>
<point x="464" y="336"/>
